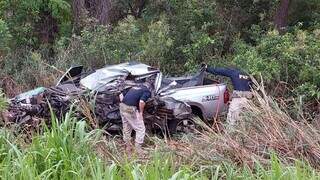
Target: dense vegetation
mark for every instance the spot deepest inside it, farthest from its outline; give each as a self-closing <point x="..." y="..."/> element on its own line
<point x="69" y="150"/>
<point x="277" y="41"/>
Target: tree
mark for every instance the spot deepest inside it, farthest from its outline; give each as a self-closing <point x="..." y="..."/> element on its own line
<point x="34" y="22"/>
<point x="79" y="13"/>
<point x="281" y="17"/>
<point x="103" y="11"/>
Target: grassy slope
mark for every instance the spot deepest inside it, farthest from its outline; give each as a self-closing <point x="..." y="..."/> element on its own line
<point x="68" y="151"/>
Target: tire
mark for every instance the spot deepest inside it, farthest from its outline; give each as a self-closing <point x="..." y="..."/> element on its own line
<point x="182" y="126"/>
<point x="172" y="126"/>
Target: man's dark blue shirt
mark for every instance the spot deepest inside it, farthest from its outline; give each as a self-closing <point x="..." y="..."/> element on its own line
<point x="135" y="94"/>
<point x="240" y="81"/>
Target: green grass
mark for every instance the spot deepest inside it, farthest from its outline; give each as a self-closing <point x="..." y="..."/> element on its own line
<point x="69" y="151"/>
<point x="3" y="101"/>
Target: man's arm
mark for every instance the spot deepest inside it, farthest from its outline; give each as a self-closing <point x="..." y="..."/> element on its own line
<point x="220" y="71"/>
<point x="142" y="103"/>
<point x="121" y="97"/>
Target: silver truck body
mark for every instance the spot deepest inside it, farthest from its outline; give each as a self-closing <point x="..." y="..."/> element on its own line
<point x="207" y="98"/>
<point x="184" y="95"/>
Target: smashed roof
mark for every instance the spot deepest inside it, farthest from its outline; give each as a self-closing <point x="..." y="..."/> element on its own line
<point x="107" y="74"/>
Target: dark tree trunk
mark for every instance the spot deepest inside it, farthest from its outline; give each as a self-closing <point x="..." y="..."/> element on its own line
<point x="110" y="12"/>
<point x="281" y="17"/>
<point x="103" y="11"/>
<point x="79" y="14"/>
<point x="47" y="28"/>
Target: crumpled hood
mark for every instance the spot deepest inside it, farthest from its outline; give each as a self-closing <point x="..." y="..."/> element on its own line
<point x="101" y="77"/>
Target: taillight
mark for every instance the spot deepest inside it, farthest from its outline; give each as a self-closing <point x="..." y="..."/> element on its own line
<point x="226" y="96"/>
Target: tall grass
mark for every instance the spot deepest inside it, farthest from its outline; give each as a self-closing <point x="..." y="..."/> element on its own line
<point x="60" y="152"/>
<point x="264" y="128"/>
<point x="70" y="150"/>
<point x="3" y="101"/>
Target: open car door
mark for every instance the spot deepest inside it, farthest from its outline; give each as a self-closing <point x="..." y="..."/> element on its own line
<point x="70" y="73"/>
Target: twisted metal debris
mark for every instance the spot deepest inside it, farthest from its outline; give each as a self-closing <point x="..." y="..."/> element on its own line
<point x="99" y="105"/>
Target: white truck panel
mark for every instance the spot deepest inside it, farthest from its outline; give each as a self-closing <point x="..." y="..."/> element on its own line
<point x="209" y="98"/>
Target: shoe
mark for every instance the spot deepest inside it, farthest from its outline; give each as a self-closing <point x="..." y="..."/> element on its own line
<point x="140" y="152"/>
<point x="129" y="149"/>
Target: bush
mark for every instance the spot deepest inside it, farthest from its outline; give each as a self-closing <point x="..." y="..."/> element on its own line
<point x="291" y="59"/>
<point x="33" y="23"/>
<point x="127" y="41"/>
<point x="98" y="46"/>
<point x="5" y="37"/>
<point x="26" y="70"/>
<point x="156" y="44"/>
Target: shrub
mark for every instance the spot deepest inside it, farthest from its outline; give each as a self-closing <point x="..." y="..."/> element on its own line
<point x="127" y="41"/>
<point x="100" y="45"/>
<point x="291" y="59"/>
<point x="26" y="70"/>
<point x="5" y="37"/>
<point x="156" y="44"/>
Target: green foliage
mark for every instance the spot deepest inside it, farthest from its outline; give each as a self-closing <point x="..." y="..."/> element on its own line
<point x="68" y="151"/>
<point x="5" y="36"/>
<point x="19" y="15"/>
<point x="156" y="44"/>
<point x="194" y="30"/>
<point x="29" y="69"/>
<point x="128" y="41"/>
<point x="202" y="49"/>
<point x="36" y="42"/>
<point x="27" y="19"/>
<point x="61" y="10"/>
<point x="174" y="35"/>
<point x="3" y="101"/>
<point x="63" y="152"/>
<point x="306" y="12"/>
<point x="99" y="45"/>
<point x="292" y="58"/>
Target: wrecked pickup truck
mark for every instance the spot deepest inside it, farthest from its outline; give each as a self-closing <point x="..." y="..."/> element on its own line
<point x="94" y="96"/>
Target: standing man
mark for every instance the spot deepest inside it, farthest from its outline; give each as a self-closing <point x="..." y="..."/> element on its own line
<point x="241" y="90"/>
<point x="131" y="110"/>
